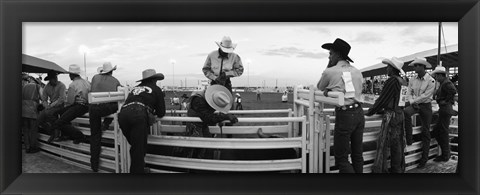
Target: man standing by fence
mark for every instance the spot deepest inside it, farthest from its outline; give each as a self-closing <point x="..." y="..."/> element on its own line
<point x="102" y="82"/>
<point x="390" y="142"/>
<point x="349" y="119"/>
<point x="420" y="88"/>
<point x="444" y="97"/>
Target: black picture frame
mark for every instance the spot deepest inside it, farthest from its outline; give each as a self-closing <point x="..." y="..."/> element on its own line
<point x="14" y="12"/>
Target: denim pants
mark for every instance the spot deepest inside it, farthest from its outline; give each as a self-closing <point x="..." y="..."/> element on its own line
<point x="348" y="139"/>
<point x="30" y="133"/>
<point x="96" y="112"/>
<point x="441" y="133"/>
<point x="67" y="114"/>
<point x="425" y="111"/>
<point x="133" y="121"/>
<point x="48" y="116"/>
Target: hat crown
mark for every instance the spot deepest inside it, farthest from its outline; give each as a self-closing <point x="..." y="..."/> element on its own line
<point x="340" y="46"/>
<point x="107" y="67"/>
<point x="221" y="99"/>
<point x="148" y="73"/>
<point x="226" y="42"/>
<point x="74" y="69"/>
<point x="440" y="68"/>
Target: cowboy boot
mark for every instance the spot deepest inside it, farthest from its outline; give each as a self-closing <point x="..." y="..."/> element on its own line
<point x="55" y="136"/>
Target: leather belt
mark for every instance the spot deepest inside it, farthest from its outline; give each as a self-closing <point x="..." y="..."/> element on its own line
<point x="349" y="107"/>
<point x="138" y="103"/>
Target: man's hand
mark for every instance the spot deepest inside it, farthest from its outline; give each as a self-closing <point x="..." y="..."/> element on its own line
<point x="222" y="78"/>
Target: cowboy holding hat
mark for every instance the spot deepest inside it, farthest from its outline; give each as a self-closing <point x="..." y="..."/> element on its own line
<point x="222" y="64"/>
<point x="420" y="88"/>
<point x="104" y="81"/>
<point x="144" y="103"/>
<point x="211" y="106"/>
<point x="390" y="140"/>
<point x="444" y="96"/>
<point x="76" y="105"/>
<point x="340" y="76"/>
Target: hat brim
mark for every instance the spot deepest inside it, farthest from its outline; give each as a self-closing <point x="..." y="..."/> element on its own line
<point x="330" y="46"/>
<point x="438" y="72"/>
<point x="107" y="71"/>
<point x="388" y="62"/>
<point x="209" y="97"/>
<point x="225" y="49"/>
<point x="158" y="76"/>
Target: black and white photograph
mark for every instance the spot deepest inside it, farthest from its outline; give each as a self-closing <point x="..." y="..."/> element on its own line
<point x="235" y="97"/>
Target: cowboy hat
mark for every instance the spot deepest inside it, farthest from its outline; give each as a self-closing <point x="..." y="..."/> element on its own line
<point x="74" y="69"/>
<point x="151" y="74"/>
<point x="237" y="94"/>
<point x="395" y="63"/>
<point x="107" y="67"/>
<point x="421" y="61"/>
<point x="226" y="45"/>
<point x="340" y="46"/>
<point x="99" y="70"/>
<point x="219" y="98"/>
<point x="439" y="69"/>
<point x="50" y="75"/>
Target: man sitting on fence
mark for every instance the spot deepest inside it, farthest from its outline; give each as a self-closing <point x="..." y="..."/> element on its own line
<point x="53" y="100"/>
<point x="143" y="103"/>
<point x="203" y="104"/>
<point x="102" y="82"/>
<point x="76" y="105"/>
<point x="392" y="133"/>
<point x="444" y="97"/>
<point x="350" y="120"/>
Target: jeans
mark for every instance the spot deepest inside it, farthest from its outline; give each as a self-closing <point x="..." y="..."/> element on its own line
<point x="133" y="121"/>
<point x="348" y="138"/>
<point x="30" y="133"/>
<point x="441" y="133"/>
<point x="67" y="114"/>
<point x="48" y="116"/>
<point x="425" y="111"/>
<point x="96" y="112"/>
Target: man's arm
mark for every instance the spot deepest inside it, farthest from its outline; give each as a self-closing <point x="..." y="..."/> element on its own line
<point x="207" y="69"/>
<point x="237" y="68"/>
<point x="324" y="80"/>
<point x="61" y="96"/>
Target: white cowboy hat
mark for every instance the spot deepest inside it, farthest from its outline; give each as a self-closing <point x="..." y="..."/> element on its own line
<point x="74" y="69"/>
<point x="237" y="94"/>
<point x="107" y="67"/>
<point x="219" y="98"/>
<point x="99" y="70"/>
<point x="439" y="69"/>
<point x="226" y="45"/>
<point x="151" y="74"/>
<point x="395" y="63"/>
<point x="421" y="61"/>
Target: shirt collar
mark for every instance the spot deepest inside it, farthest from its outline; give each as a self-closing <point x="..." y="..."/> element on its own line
<point x="424" y="76"/>
<point x="342" y="63"/>
<point x="219" y="56"/>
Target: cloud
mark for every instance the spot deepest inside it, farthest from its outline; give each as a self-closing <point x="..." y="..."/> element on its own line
<point x="369" y="37"/>
<point x="294" y="52"/>
<point x="319" y="30"/>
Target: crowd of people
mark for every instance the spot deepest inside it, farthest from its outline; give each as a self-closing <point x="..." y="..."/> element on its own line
<point x="53" y="110"/>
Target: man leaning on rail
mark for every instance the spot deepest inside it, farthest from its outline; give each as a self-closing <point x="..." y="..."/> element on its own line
<point x="420" y="89"/>
<point x="102" y="82"/>
<point x="144" y="102"/>
<point x="340" y="76"/>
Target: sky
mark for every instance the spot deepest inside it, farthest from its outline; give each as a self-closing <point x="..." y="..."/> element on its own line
<point x="273" y="54"/>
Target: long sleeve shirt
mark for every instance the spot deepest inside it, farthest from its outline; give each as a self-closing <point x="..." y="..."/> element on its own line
<point x="389" y="97"/>
<point x="78" y="89"/>
<point x="446" y="93"/>
<point x="149" y="94"/>
<point x="421" y="89"/>
<point x="332" y="80"/>
<point x="56" y="94"/>
<point x="232" y="65"/>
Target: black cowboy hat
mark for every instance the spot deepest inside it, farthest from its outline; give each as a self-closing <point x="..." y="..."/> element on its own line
<point x="50" y="75"/>
<point x="340" y="46"/>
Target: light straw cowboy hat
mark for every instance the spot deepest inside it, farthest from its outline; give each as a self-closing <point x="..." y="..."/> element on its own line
<point x="99" y="70"/>
<point x="219" y="98"/>
<point x="107" y="67"/>
<point x="151" y="74"/>
<point x="226" y="45"/>
<point x="395" y="63"/>
<point x="340" y="46"/>
<point x="74" y="69"/>
<point x="439" y="69"/>
<point x="421" y="61"/>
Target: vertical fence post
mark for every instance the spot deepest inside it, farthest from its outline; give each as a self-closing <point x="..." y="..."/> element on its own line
<point x="304" y="145"/>
<point x="311" y="129"/>
<point x="327" y="143"/>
